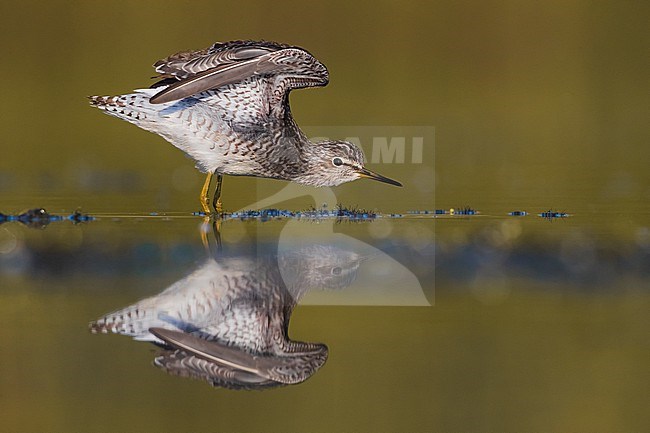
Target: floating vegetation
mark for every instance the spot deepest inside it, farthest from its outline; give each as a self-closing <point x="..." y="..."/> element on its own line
<point x="551" y="214"/>
<point x="78" y="217"/>
<point x="354" y="212"/>
<point x="340" y="212"/>
<point x="39" y="218"/>
<point x="36" y="218"/>
<point x="263" y="214"/>
<point x="518" y="213"/>
<point x="427" y="212"/>
<point x="460" y="211"/>
<point x="463" y="211"/>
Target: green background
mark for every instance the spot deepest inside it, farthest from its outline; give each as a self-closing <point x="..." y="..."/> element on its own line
<point x="535" y="105"/>
<point x="542" y="104"/>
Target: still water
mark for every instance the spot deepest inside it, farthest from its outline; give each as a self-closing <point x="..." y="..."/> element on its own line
<point x="384" y="324"/>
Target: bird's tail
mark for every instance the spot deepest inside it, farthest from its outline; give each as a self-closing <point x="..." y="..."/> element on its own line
<point x="173" y="121"/>
<point x="133" y="321"/>
<point x="134" y="107"/>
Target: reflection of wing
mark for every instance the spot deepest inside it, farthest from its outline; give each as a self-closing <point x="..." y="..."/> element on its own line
<point x="283" y="66"/>
<point x="189" y="304"/>
<point x="179" y="363"/>
<point x="226" y="323"/>
<point x="231" y="365"/>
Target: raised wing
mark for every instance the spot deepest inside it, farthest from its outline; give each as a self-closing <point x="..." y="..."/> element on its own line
<point x="232" y="62"/>
<point x="189" y="63"/>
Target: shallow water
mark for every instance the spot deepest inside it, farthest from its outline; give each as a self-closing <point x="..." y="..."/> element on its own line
<point x="535" y="317"/>
<point x="479" y="323"/>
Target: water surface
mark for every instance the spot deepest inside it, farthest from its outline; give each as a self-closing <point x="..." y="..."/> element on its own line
<point x="527" y="311"/>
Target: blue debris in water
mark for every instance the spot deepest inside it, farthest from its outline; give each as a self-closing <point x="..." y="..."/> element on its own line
<point x="313" y="213"/>
<point x="263" y="214"/>
<point x="463" y="211"/>
<point x="518" y="213"/>
<point x="341" y="212"/>
<point x="551" y="214"/>
<point x="33" y="214"/>
<point x="198" y="214"/>
<point x="39" y="218"/>
<point x="428" y="212"/>
<point x="36" y="218"/>
<point x="354" y="213"/>
<point x="78" y="217"/>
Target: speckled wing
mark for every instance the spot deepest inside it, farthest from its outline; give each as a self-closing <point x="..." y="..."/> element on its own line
<point x="186" y="64"/>
<point x="298" y="362"/>
<point x="183" y="364"/>
<point x="229" y="63"/>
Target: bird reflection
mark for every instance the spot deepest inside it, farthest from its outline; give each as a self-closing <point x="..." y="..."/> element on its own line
<point x="227" y="322"/>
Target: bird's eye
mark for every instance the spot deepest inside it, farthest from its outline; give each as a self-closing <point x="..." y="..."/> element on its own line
<point x="337" y="271"/>
<point x="337" y="162"/>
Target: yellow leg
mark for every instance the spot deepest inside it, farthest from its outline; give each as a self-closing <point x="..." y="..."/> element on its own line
<point x="216" y="200"/>
<point x="204" y="194"/>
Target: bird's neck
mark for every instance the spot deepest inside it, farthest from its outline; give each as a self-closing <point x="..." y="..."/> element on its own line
<point x="311" y="171"/>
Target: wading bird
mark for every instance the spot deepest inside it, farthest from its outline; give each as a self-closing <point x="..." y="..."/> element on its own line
<point x="227" y="107"/>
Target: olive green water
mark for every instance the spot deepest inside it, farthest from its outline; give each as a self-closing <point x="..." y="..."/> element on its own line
<point x="483" y="323"/>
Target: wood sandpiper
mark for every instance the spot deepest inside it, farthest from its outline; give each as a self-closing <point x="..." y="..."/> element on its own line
<point x="227" y="107"/>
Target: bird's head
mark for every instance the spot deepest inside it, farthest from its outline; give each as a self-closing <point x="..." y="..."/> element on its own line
<point x="335" y="162"/>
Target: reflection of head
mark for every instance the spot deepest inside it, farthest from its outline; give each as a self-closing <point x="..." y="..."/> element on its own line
<point x="318" y="267"/>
